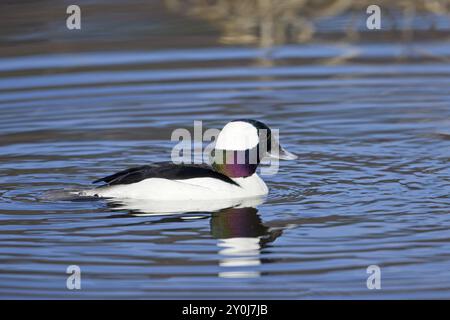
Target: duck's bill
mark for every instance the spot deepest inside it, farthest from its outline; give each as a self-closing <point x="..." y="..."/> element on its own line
<point x="282" y="154"/>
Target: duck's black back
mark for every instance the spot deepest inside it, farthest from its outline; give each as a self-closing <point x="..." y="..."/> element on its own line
<point x="166" y="170"/>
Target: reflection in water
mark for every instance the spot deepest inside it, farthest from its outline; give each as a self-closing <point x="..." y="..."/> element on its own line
<point x="241" y="235"/>
<point x="239" y="229"/>
<point x="151" y="207"/>
<point x="272" y="22"/>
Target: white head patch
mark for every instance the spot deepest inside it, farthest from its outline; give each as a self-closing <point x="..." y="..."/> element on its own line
<point x="237" y="135"/>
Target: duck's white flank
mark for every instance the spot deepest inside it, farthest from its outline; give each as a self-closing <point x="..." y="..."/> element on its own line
<point x="188" y="189"/>
<point x="144" y="207"/>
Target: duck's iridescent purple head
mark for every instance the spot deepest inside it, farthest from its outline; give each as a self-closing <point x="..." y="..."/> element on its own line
<point x="242" y="144"/>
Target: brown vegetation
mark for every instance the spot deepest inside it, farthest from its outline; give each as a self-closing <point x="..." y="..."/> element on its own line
<point x="269" y="22"/>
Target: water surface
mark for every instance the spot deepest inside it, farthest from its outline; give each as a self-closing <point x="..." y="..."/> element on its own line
<point x="370" y="123"/>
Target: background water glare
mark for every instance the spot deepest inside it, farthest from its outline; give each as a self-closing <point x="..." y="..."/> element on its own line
<point x="369" y="120"/>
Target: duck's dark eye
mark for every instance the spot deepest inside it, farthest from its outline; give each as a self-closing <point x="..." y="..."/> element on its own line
<point x="269" y="142"/>
<point x="265" y="139"/>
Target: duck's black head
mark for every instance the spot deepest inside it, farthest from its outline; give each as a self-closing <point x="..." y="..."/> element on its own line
<point x="242" y="144"/>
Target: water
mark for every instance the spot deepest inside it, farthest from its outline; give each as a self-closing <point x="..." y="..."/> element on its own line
<point x="371" y="185"/>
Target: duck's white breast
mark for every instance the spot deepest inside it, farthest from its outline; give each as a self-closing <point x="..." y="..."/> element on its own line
<point x="189" y="189"/>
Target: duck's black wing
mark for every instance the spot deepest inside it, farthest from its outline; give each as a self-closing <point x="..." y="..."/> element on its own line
<point x="164" y="170"/>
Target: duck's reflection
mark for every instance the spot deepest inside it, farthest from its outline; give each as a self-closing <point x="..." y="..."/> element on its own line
<point x="239" y="230"/>
<point x="241" y="236"/>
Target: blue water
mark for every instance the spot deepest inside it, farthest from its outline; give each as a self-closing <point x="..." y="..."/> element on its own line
<point x="369" y="122"/>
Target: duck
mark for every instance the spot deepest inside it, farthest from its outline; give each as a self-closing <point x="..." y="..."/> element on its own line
<point x="231" y="175"/>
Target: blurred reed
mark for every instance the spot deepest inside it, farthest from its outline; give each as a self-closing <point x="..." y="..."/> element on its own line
<point x="271" y="22"/>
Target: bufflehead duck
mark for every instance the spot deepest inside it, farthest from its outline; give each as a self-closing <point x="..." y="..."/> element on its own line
<point x="231" y="175"/>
